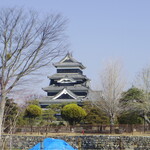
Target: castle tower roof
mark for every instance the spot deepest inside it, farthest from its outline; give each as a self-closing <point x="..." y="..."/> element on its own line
<point x="69" y="61"/>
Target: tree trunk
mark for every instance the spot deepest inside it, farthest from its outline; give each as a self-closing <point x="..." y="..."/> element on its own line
<point x="2" y="107"/>
<point x="112" y="120"/>
<point x="146" y="119"/>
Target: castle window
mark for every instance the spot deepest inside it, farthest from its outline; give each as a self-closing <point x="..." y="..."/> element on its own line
<point x="69" y="71"/>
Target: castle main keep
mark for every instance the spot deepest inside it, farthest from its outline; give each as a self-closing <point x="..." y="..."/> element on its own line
<point x="68" y="84"/>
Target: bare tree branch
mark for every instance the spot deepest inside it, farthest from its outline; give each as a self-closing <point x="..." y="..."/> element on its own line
<point x="27" y="43"/>
<point x="112" y="84"/>
<point x="143" y="83"/>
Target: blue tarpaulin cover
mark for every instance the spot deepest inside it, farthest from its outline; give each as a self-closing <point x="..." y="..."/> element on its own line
<point x="52" y="144"/>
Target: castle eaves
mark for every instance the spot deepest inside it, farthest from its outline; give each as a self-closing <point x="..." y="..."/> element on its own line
<point x="69" y="64"/>
<point x="70" y="75"/>
<point x="71" y="88"/>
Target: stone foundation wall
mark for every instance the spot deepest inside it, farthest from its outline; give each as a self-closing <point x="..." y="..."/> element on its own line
<point x="103" y="142"/>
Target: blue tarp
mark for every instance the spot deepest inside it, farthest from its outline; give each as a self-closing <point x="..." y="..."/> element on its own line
<point x="52" y="144"/>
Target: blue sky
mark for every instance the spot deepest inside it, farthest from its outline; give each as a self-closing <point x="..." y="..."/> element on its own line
<point x="99" y="30"/>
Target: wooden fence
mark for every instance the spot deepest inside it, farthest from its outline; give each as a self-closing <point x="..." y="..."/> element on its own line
<point x="102" y="129"/>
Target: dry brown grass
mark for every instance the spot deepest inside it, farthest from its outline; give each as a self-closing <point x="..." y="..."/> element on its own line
<point x="85" y="134"/>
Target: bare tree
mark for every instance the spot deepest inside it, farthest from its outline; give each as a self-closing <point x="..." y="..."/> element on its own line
<point x="112" y="84"/>
<point x="143" y="83"/>
<point x="28" y="42"/>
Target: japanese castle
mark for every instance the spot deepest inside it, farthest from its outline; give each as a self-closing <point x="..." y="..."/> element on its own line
<point x="68" y="84"/>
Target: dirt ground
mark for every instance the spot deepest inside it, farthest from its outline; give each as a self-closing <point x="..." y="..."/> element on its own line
<point x="84" y="134"/>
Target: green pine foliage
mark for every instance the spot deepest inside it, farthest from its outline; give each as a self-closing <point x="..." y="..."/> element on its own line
<point x="94" y="115"/>
<point x="33" y="111"/>
<point x="48" y="115"/>
<point x="132" y="94"/>
<point x="129" y="99"/>
<point x="130" y="118"/>
<point x="73" y="113"/>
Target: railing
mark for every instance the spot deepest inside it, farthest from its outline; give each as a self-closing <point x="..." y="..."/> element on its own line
<point x="101" y="129"/>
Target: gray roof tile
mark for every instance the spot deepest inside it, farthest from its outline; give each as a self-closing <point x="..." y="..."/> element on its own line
<point x="69" y="61"/>
<point x="71" y="88"/>
<point x="70" y="75"/>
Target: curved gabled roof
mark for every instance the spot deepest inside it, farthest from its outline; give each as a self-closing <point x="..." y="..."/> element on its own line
<point x="65" y="91"/>
<point x="69" y="61"/>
